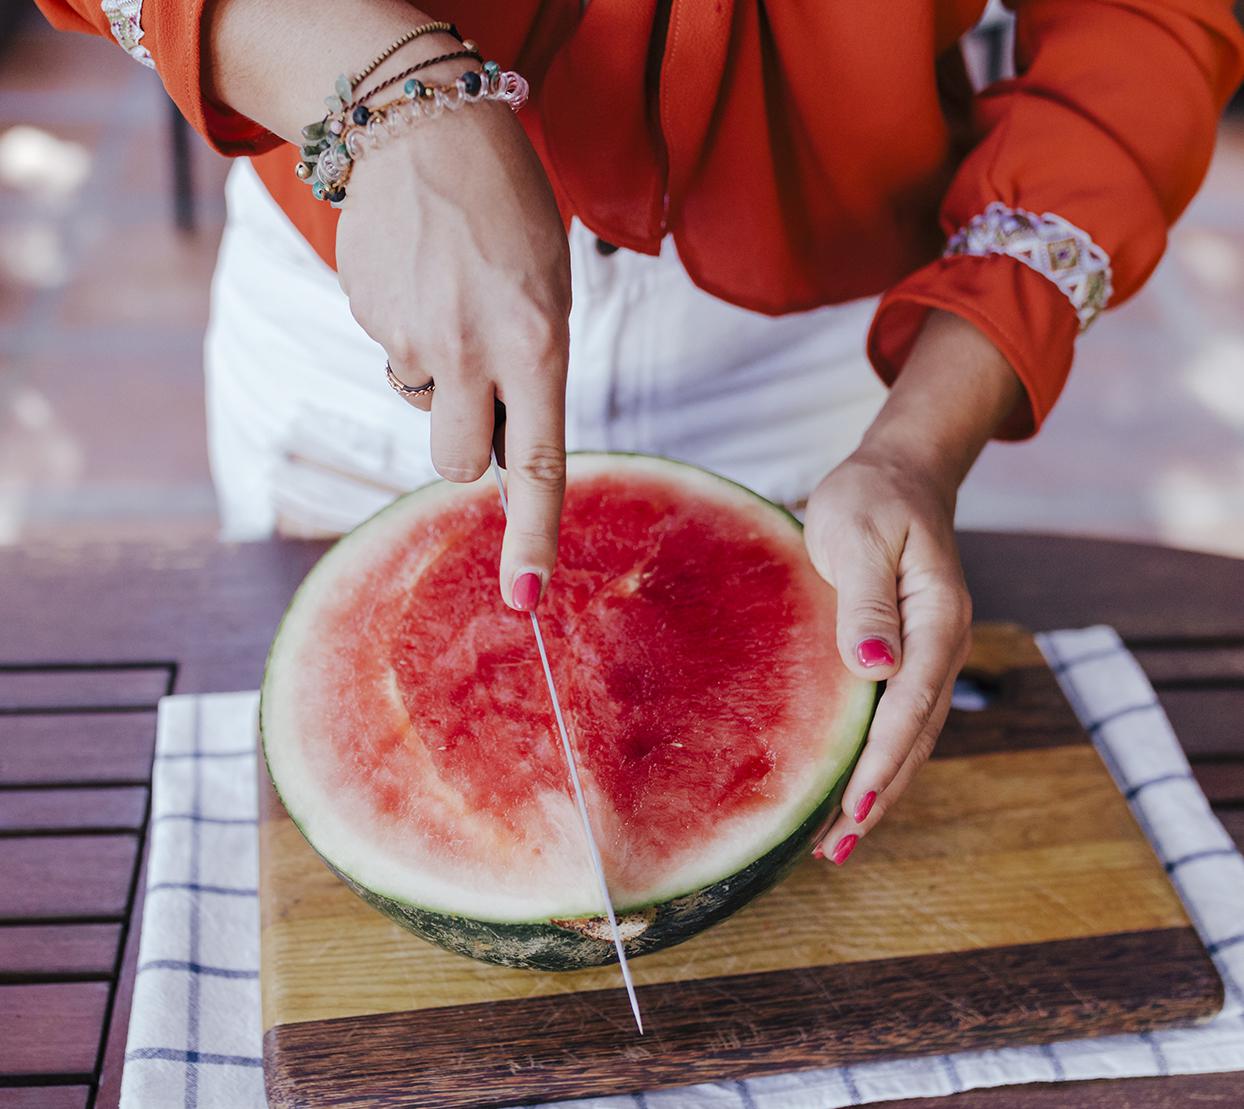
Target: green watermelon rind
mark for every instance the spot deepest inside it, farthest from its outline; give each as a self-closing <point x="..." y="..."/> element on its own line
<point x="578" y="942"/>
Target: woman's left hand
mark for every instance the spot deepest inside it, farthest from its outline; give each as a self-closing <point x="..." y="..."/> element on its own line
<point x="881" y="530"/>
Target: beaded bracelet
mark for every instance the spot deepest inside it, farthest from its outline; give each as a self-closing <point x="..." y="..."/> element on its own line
<point x="422" y="101"/>
<point x="331" y="145"/>
<point x="419" y="101"/>
<point x="320" y="135"/>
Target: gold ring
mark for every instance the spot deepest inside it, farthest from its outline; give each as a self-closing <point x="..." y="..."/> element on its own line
<point x="408" y="391"/>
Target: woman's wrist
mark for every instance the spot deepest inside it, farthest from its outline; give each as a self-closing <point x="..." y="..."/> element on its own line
<point x="955" y="391"/>
<point x="273" y="61"/>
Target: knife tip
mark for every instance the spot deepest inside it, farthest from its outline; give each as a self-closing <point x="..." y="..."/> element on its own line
<point x="639" y="1021"/>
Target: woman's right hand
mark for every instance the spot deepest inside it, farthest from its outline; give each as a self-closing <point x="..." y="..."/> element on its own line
<point x="454" y="257"/>
<point x="450" y="246"/>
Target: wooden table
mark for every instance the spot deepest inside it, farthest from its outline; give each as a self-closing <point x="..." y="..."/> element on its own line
<point x="92" y="637"/>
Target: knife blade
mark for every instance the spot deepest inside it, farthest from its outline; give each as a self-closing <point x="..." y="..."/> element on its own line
<point x="598" y="866"/>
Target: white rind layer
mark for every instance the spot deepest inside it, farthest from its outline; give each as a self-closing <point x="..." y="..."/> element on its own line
<point x="560" y="889"/>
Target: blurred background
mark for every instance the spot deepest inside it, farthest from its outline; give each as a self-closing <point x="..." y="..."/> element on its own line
<point x="110" y="215"/>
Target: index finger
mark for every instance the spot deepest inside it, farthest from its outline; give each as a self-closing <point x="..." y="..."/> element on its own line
<point x="936" y="636"/>
<point x="535" y="455"/>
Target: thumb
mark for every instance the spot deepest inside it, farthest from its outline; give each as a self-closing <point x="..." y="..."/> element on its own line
<point x="869" y="631"/>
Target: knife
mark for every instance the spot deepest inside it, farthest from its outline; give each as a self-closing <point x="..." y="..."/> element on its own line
<point x="597" y="865"/>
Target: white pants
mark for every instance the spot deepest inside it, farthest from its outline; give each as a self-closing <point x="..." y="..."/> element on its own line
<point x="306" y="436"/>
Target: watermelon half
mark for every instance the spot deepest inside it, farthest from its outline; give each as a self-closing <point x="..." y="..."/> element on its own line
<point x="408" y="729"/>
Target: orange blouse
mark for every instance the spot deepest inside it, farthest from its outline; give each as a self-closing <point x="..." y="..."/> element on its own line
<point x="805" y="154"/>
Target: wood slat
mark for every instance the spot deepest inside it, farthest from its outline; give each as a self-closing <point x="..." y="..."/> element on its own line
<point x="1233" y="821"/>
<point x="102" y="687"/>
<point x="1207" y="721"/>
<point x="51" y="1029"/>
<point x="1177" y="1091"/>
<point x="118" y="808"/>
<point x="211" y="607"/>
<point x="113" y="1062"/>
<point x="1222" y="780"/>
<point x="50" y="949"/>
<point x="76" y="747"/>
<point x="44" y="1097"/>
<point x="1192" y="662"/>
<point x="1148" y="593"/>
<point x="66" y="876"/>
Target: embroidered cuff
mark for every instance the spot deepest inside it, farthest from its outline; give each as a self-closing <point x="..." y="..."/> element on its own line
<point x="1047" y="243"/>
<point x="125" y="21"/>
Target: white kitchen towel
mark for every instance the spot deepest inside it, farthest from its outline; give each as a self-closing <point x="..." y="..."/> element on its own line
<point x="195" y="1037"/>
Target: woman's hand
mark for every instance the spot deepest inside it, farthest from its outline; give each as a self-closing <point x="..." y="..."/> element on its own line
<point x="454" y="257"/>
<point x="880" y="528"/>
<point x="450" y="247"/>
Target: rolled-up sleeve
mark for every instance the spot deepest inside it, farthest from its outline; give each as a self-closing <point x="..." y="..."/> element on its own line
<point x="1081" y="164"/>
<point x="166" y="35"/>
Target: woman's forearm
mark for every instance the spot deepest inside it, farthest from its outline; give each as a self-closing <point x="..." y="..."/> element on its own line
<point x="275" y="60"/>
<point x="952" y="396"/>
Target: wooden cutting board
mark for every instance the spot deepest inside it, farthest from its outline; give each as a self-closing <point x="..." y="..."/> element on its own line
<point x="1010" y="898"/>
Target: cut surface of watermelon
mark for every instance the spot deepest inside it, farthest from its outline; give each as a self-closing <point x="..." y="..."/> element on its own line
<point x="409" y="732"/>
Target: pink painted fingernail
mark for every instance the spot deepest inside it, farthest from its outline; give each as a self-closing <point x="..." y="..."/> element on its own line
<point x="526" y="591"/>
<point x="818" y="852"/>
<point x="874" y="652"/>
<point x="865" y="806"/>
<point x="843" y="850"/>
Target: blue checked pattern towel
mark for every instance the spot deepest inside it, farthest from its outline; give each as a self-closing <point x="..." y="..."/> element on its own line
<point x="194" y="1036"/>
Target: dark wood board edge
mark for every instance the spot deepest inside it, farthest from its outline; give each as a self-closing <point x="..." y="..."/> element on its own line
<point x="551" y="1048"/>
